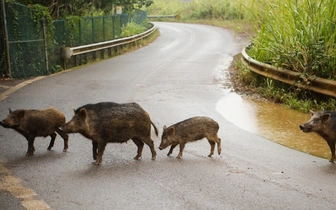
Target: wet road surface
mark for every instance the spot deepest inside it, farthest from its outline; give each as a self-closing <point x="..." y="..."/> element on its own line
<point x="176" y="77"/>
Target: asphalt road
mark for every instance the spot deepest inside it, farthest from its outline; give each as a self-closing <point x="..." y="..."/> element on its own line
<point x="176" y="77"/>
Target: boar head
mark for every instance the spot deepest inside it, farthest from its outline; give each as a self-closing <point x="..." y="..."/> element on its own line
<point x="77" y="123"/>
<point x="316" y="122"/>
<point x="13" y="120"/>
<point x="167" y="137"/>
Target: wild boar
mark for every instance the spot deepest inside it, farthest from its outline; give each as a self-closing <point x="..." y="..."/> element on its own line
<point x="189" y="130"/>
<point x="324" y="124"/>
<point x="32" y="123"/>
<point x="112" y="122"/>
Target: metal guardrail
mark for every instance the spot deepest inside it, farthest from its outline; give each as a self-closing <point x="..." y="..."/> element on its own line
<point x="68" y="52"/>
<point x="164" y="16"/>
<point x="316" y="84"/>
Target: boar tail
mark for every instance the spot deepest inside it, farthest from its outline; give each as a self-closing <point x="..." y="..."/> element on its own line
<point x="156" y="130"/>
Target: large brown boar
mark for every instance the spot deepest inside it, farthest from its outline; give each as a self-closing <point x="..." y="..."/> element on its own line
<point x="324" y="124"/>
<point x="189" y="130"/>
<point x="32" y="123"/>
<point x="112" y="122"/>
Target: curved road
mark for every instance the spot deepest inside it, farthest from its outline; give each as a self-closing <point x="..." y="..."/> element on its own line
<point x="176" y="77"/>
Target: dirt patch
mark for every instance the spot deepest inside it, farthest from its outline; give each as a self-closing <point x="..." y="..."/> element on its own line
<point x="244" y="90"/>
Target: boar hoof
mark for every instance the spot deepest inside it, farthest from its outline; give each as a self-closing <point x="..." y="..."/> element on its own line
<point x="29" y="153"/>
<point x="64" y="150"/>
<point x="96" y="163"/>
<point x="137" y="157"/>
<point x="178" y="157"/>
<point x="153" y="158"/>
<point x="210" y="155"/>
<point x="331" y="161"/>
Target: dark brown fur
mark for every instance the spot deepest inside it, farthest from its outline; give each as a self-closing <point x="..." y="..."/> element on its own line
<point x="111" y="122"/>
<point x="324" y="124"/>
<point x="32" y="123"/>
<point x="189" y="130"/>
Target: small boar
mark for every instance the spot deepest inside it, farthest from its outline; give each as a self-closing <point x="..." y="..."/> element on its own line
<point x="324" y="124"/>
<point x="32" y="123"/>
<point x="189" y="130"/>
<point x="112" y="122"/>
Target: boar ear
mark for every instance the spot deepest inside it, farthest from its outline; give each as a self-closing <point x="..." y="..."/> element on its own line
<point x="171" y="131"/>
<point x="164" y="127"/>
<point x="74" y="110"/>
<point x="312" y="112"/>
<point x="82" y="113"/>
<point x="20" y="114"/>
<point x="10" y="111"/>
<point x="325" y="117"/>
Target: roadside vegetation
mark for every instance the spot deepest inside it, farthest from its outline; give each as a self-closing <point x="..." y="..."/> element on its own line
<point x="299" y="35"/>
<point x="73" y="10"/>
<point x="66" y="23"/>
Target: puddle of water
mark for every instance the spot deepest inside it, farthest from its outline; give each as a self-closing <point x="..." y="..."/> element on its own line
<point x="274" y="122"/>
<point x="271" y="121"/>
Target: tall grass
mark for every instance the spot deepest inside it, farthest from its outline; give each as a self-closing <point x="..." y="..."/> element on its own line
<point x="299" y="35"/>
<point x="133" y="28"/>
<point x="201" y="9"/>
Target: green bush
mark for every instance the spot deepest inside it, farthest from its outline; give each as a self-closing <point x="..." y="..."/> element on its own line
<point x="132" y="28"/>
<point x="297" y="35"/>
<point x="201" y="9"/>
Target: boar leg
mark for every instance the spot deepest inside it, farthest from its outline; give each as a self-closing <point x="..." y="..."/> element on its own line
<point x="31" y="148"/>
<point x="171" y="149"/>
<point x="101" y="149"/>
<point x="52" y="140"/>
<point x="140" y="146"/>
<point x="181" y="150"/>
<point x="332" y="149"/>
<point x="94" y="150"/>
<point x="212" y="144"/>
<point x="65" y="138"/>
<point x="150" y="143"/>
<point x="219" y="146"/>
<point x="213" y="139"/>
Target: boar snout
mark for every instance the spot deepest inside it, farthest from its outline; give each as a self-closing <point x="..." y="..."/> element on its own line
<point x="66" y="128"/>
<point x="306" y="128"/>
<point x="163" y="146"/>
<point x="4" y="124"/>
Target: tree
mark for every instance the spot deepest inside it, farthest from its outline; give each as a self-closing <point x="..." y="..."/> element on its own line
<point x="61" y="8"/>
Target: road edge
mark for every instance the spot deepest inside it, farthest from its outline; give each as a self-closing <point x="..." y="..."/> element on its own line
<point x="11" y="90"/>
<point x="13" y="185"/>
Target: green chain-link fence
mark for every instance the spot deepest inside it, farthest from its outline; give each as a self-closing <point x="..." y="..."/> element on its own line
<point x="25" y="43"/>
<point x="33" y="55"/>
<point x="3" y="63"/>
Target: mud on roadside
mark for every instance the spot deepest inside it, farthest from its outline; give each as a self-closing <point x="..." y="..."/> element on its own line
<point x="242" y="89"/>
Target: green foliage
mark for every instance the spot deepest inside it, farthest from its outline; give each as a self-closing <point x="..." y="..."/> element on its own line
<point x="72" y="30"/>
<point x="201" y="9"/>
<point x="132" y="28"/>
<point x="290" y="96"/>
<point x="62" y="8"/>
<point x="246" y="76"/>
<point x="298" y="35"/>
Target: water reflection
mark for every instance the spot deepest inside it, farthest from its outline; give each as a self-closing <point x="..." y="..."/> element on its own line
<point x="272" y="121"/>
